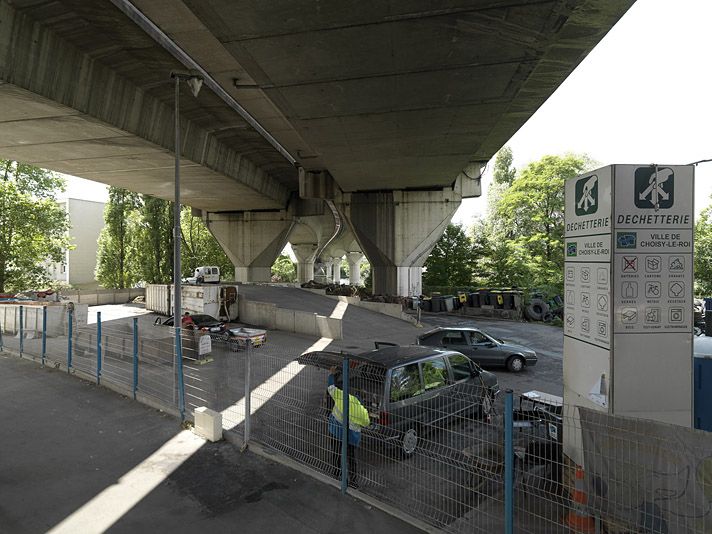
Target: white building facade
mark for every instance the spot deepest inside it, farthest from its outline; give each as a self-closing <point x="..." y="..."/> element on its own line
<point x="86" y="219"/>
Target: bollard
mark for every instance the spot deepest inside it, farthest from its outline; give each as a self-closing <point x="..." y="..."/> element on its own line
<point x="69" y="340"/>
<point x="508" y="463"/>
<point x="345" y="427"/>
<point x="44" y="334"/>
<point x="179" y="363"/>
<point x="98" y="347"/>
<point x="135" y="356"/>
<point x="22" y="329"/>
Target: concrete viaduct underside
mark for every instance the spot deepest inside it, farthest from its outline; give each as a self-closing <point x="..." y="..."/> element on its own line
<point x="342" y="127"/>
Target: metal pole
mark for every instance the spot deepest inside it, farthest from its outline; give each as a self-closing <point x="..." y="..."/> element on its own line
<point x="508" y="463"/>
<point x="98" y="347"/>
<point x="181" y="386"/>
<point x="22" y="329"/>
<point x="69" y="341"/>
<point x="248" y="393"/>
<point x="44" y="333"/>
<point x="345" y="427"/>
<point x="135" y="356"/>
<point x="176" y="214"/>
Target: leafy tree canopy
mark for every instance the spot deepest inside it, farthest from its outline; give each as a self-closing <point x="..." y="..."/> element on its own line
<point x="33" y="227"/>
<point x="451" y="262"/>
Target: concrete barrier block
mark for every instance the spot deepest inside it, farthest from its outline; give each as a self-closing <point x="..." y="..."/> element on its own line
<point x="329" y="327"/>
<point x="285" y="320"/>
<point x="208" y="424"/>
<point x="305" y="323"/>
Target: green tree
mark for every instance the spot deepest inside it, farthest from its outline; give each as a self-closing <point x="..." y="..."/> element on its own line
<point x="499" y="262"/>
<point x="451" y="262"/>
<point x="199" y="247"/>
<point x="117" y="265"/>
<point x="504" y="172"/>
<point x="531" y="210"/>
<point x="283" y="269"/>
<point x="703" y="253"/>
<point x="155" y="234"/>
<point x="33" y="227"/>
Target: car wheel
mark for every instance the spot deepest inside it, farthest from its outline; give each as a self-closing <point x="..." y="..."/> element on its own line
<point x="409" y="442"/>
<point x="515" y="364"/>
<point x="224" y="336"/>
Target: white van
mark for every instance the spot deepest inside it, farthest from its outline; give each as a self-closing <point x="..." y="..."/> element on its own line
<point x="207" y="275"/>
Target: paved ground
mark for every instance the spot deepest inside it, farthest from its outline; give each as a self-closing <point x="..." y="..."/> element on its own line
<point x="281" y="422"/>
<point x="66" y="440"/>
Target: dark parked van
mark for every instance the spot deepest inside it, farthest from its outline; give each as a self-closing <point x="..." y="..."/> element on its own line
<point x="411" y="390"/>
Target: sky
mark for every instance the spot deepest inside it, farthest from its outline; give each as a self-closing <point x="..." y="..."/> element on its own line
<point x="643" y="95"/>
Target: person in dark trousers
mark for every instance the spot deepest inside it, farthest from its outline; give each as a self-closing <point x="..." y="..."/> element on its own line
<point x="358" y="418"/>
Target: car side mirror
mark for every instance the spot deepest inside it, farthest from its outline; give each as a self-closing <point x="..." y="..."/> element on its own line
<point x="157" y="322"/>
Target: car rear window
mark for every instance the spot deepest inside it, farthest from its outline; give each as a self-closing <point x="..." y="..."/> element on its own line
<point x="405" y="382"/>
<point x="454" y="338"/>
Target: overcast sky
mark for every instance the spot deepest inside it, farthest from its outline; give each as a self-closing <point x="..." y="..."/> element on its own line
<point x="641" y="96"/>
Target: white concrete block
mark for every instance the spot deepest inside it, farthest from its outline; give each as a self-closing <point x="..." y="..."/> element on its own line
<point x="208" y="424"/>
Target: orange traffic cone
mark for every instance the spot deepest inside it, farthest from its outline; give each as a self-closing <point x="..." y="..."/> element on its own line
<point x="578" y="519"/>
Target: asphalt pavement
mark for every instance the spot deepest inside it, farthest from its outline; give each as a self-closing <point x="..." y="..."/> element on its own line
<point x="66" y="441"/>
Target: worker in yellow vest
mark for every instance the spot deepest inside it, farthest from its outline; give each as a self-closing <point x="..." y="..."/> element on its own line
<point x="358" y="418"/>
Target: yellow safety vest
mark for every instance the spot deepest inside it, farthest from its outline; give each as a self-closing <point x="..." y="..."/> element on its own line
<point x="358" y="415"/>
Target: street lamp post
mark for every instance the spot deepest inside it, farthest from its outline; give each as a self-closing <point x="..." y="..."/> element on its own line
<point x="194" y="81"/>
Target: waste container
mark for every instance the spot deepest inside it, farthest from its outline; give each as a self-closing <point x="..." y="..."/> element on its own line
<point x="484" y="297"/>
<point x="437" y="304"/>
<point x="497" y="299"/>
<point x="508" y="300"/>
<point x="427" y="305"/>
<point x="473" y="299"/>
<point x="448" y="302"/>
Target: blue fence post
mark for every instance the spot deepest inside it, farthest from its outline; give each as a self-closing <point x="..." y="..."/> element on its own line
<point x="22" y="329"/>
<point x="508" y="462"/>
<point x="181" y="389"/>
<point x="135" y="356"/>
<point x="98" y="347"/>
<point x="69" y="339"/>
<point x="345" y="427"/>
<point x="44" y="334"/>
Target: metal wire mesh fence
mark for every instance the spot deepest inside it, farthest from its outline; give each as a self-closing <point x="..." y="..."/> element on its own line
<point x="427" y="431"/>
<point x="441" y="446"/>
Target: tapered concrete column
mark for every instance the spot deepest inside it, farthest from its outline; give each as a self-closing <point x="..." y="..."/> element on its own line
<point x="336" y="269"/>
<point x="354" y="259"/>
<point x="252" y="240"/>
<point x="397" y="230"/>
<point x="306" y="254"/>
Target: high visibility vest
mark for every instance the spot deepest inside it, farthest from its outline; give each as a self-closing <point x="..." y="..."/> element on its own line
<point x="358" y="415"/>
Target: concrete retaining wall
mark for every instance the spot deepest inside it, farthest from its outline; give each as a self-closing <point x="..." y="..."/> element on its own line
<point x="100" y="297"/>
<point x="386" y="308"/>
<point x="268" y="315"/>
<point x="56" y="318"/>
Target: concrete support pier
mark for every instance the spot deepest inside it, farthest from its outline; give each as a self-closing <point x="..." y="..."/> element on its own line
<point x="252" y="240"/>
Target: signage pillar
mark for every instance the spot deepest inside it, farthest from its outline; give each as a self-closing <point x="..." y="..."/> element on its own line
<point x="628" y="290"/>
